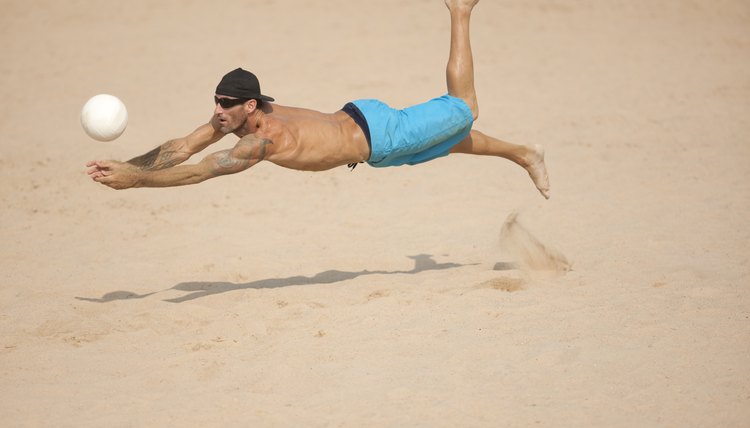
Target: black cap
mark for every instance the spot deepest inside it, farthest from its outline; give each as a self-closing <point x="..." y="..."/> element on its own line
<point x="241" y="83"/>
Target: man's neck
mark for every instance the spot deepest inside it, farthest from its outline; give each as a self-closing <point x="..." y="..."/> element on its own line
<point x="252" y="124"/>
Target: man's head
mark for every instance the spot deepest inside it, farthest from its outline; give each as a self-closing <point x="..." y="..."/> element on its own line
<point x="241" y="83"/>
<point x="237" y="96"/>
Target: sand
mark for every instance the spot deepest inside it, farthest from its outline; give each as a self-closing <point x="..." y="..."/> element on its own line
<point x="380" y="297"/>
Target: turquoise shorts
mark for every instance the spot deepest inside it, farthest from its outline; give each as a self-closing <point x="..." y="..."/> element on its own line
<point x="415" y="134"/>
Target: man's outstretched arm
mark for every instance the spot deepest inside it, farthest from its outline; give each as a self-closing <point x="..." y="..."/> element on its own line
<point x="167" y="155"/>
<point x="122" y="175"/>
<point x="177" y="151"/>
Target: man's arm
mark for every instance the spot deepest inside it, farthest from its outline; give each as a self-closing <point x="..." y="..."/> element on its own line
<point x="177" y="151"/>
<point x="167" y="155"/>
<point x="249" y="151"/>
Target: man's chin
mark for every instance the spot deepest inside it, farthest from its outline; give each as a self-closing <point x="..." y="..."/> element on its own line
<point x="226" y="129"/>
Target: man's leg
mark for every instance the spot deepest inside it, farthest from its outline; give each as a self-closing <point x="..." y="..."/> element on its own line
<point x="460" y="70"/>
<point x="460" y="78"/>
<point x="530" y="158"/>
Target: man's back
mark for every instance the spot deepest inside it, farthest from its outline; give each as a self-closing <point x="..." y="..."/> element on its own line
<point x="309" y="140"/>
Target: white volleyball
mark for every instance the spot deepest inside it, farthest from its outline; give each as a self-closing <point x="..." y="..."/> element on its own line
<point x="104" y="117"/>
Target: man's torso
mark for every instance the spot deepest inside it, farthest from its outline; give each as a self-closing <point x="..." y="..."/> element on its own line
<point x="309" y="140"/>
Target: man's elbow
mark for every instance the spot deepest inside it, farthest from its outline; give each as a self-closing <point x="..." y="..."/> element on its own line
<point x="223" y="163"/>
<point x="181" y="150"/>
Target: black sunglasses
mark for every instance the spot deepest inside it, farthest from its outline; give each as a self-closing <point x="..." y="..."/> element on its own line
<point x="229" y="102"/>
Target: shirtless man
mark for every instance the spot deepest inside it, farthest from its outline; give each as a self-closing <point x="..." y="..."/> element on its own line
<point x="363" y="131"/>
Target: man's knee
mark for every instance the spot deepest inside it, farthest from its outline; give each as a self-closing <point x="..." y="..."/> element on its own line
<point x="473" y="106"/>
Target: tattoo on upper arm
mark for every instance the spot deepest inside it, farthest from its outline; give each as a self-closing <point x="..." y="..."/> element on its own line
<point x="245" y="154"/>
<point x="226" y="160"/>
<point x="226" y="163"/>
<point x="255" y="148"/>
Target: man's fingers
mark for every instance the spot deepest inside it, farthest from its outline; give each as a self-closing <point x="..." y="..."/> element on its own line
<point x="97" y="174"/>
<point x="106" y="172"/>
<point x="99" y="168"/>
<point x="109" y="182"/>
<point x="100" y="164"/>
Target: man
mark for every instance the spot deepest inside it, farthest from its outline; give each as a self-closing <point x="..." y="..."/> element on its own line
<point x="363" y="131"/>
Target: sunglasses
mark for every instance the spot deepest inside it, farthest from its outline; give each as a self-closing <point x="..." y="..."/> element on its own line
<point x="229" y="102"/>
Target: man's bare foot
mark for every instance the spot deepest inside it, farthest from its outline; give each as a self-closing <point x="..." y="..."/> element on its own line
<point x="456" y="4"/>
<point x="537" y="169"/>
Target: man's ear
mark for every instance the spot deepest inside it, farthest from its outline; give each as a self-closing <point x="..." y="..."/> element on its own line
<point x="251" y="105"/>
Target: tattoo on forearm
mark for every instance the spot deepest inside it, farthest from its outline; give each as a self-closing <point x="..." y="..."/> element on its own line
<point x="146" y="160"/>
<point x="158" y="158"/>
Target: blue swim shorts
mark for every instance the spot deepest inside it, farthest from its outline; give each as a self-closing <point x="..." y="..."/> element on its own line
<point x="415" y="134"/>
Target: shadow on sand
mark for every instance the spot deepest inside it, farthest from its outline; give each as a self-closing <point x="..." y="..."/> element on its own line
<point x="196" y="290"/>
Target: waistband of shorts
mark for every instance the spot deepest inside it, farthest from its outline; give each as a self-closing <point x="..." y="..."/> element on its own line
<point x="356" y="114"/>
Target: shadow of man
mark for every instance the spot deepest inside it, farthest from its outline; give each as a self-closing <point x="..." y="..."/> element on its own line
<point x="199" y="289"/>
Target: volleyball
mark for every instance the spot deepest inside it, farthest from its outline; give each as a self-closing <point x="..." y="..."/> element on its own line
<point x="104" y="117"/>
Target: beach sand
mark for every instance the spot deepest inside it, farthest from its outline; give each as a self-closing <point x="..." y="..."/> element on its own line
<point x="380" y="297"/>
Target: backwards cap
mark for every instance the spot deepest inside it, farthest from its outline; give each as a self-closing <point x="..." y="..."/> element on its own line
<point x="241" y="83"/>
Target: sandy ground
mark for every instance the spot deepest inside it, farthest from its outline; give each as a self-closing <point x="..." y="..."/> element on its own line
<point x="380" y="297"/>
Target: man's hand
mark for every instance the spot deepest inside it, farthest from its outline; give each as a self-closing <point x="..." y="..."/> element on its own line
<point x="117" y="175"/>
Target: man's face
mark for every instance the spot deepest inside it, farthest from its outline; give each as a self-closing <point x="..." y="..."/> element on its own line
<point x="231" y="112"/>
